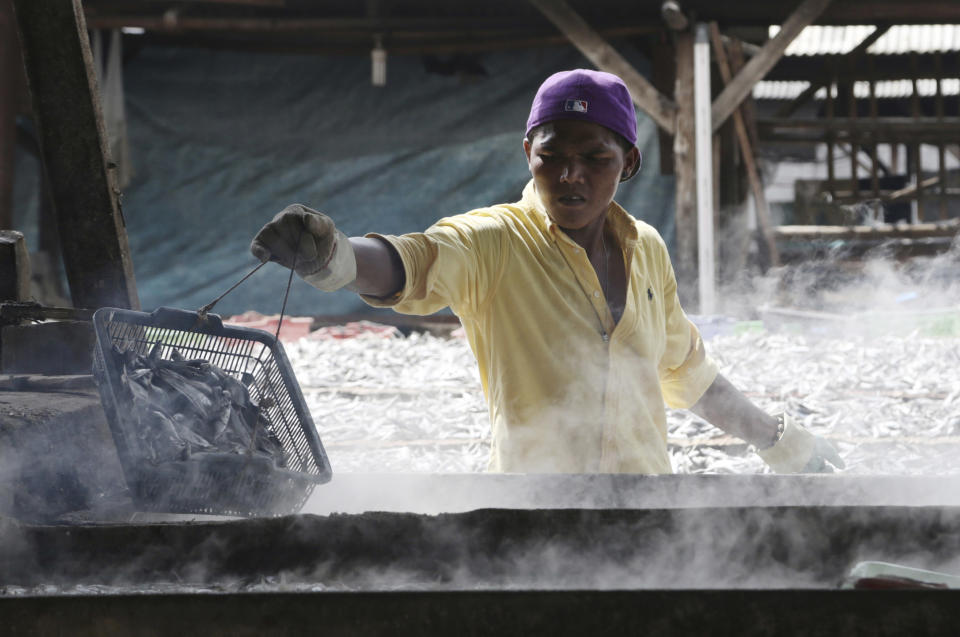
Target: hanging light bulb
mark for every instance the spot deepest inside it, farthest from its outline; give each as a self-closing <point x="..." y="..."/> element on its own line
<point x="378" y="63"/>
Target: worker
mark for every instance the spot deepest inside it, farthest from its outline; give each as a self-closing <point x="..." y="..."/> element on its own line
<point x="569" y="303"/>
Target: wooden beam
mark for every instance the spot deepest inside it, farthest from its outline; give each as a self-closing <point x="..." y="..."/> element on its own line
<point x="684" y="170"/>
<point x="673" y="15"/>
<point x="74" y="147"/>
<point x="760" y="64"/>
<point x="903" y="130"/>
<point x="788" y="109"/>
<point x="910" y="191"/>
<point x="753" y="174"/>
<point x="889" y="66"/>
<point x="660" y="108"/>
<point x="911" y="231"/>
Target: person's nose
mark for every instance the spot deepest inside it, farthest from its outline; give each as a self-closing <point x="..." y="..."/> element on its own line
<point x="571" y="172"/>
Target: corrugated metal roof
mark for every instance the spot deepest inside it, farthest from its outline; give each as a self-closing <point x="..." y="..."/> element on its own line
<point x="901" y="38"/>
<point x="888" y="89"/>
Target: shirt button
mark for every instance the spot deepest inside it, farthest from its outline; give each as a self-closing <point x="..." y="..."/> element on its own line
<point x="596" y="293"/>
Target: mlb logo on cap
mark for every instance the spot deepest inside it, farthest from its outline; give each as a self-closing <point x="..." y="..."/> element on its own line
<point x="577" y="106"/>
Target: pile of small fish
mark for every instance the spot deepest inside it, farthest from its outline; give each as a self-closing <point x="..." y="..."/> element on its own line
<point x="890" y="403"/>
<point x="184" y="407"/>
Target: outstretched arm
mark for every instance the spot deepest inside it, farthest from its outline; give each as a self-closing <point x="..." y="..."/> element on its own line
<point x="379" y="268"/>
<point x="790" y="449"/>
<point x="725" y="406"/>
<point x="309" y="242"/>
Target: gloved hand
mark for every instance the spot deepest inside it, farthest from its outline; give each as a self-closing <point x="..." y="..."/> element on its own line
<point x="799" y="451"/>
<point x="309" y="242"/>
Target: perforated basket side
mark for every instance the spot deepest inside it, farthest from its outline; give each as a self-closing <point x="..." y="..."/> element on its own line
<point x="253" y="357"/>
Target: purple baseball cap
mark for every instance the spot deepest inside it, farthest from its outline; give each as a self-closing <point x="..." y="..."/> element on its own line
<point x="583" y="94"/>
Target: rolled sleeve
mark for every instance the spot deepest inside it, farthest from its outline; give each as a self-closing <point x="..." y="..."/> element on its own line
<point x="454" y="263"/>
<point x="684" y="384"/>
<point x="685" y="369"/>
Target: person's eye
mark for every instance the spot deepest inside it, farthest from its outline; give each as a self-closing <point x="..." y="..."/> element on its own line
<point x="598" y="159"/>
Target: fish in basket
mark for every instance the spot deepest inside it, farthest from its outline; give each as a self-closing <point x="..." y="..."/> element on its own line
<point x="207" y="418"/>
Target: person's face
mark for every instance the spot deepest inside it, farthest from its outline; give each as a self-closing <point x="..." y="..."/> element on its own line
<point x="576" y="167"/>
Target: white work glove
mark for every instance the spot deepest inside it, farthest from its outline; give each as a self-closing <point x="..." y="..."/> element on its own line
<point x="309" y="242"/>
<point x="799" y="451"/>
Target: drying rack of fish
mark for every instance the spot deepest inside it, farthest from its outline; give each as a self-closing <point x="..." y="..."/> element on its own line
<point x="881" y="382"/>
<point x="891" y="403"/>
<point x="184" y="407"/>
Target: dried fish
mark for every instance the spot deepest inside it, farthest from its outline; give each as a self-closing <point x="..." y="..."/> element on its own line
<point x="890" y="402"/>
<point x="184" y="407"/>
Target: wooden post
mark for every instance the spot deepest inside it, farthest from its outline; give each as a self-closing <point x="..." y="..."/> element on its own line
<point x="915" y="147"/>
<point x="854" y="140"/>
<point x="753" y="173"/>
<point x="831" y="177"/>
<point x="660" y="108"/>
<point x="14" y="267"/>
<point x="74" y="146"/>
<point x="706" y="273"/>
<point x="9" y="79"/>
<point x="684" y="169"/>
<point x="941" y="148"/>
<point x="748" y="109"/>
<point x="874" y="111"/>
<point x="664" y="79"/>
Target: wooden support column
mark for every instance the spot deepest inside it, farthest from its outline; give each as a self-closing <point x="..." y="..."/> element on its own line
<point x="915" y="147"/>
<point x="874" y="112"/>
<point x="706" y="262"/>
<point x="664" y="79"/>
<point x="831" y="177"/>
<point x="748" y="109"/>
<point x="941" y="148"/>
<point x="14" y="267"/>
<point x="685" y="171"/>
<point x="854" y="138"/>
<point x="660" y="108"/>
<point x="9" y="81"/>
<point x="753" y="173"/>
<point x="760" y="64"/>
<point x="74" y="147"/>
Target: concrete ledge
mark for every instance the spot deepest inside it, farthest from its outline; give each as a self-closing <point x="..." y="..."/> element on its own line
<point x="56" y="347"/>
<point x="57" y="455"/>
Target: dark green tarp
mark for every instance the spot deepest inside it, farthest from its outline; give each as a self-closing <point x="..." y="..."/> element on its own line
<point x="220" y="141"/>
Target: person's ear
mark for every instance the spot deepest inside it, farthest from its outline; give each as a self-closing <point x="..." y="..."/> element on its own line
<point x="526" y="148"/>
<point x="631" y="164"/>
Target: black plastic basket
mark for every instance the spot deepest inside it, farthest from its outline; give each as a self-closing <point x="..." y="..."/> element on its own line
<point x="211" y="483"/>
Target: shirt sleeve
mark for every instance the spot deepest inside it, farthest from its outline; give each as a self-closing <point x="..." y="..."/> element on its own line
<point x="456" y="262"/>
<point x="685" y="369"/>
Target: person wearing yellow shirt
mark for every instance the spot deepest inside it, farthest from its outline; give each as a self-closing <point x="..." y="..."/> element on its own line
<point x="569" y="303"/>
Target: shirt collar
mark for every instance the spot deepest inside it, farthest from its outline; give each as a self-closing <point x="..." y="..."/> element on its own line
<point x="622" y="224"/>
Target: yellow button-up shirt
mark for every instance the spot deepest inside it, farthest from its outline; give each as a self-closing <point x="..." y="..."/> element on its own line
<point x="568" y="391"/>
